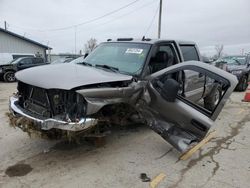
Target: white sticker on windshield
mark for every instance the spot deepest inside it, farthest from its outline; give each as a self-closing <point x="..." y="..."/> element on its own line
<point x="134" y="51"/>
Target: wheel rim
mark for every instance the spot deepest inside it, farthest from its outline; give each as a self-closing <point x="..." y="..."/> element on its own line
<point x="10" y="77"/>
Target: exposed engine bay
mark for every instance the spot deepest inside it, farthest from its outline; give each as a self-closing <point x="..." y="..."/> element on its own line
<point x="53" y="103"/>
<point x="70" y="107"/>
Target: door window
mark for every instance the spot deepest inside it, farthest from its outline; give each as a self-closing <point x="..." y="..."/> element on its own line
<point x="197" y="88"/>
<point x="163" y="57"/>
<point x="189" y="53"/>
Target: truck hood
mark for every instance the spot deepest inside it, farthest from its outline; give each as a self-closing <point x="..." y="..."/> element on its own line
<point x="67" y="76"/>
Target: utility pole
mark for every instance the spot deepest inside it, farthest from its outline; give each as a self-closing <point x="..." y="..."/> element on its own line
<point x="159" y="23"/>
<point x="75" y="39"/>
<point x="242" y="51"/>
<point x="5" y="25"/>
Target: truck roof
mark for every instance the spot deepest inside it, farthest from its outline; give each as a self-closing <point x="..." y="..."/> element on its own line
<point x="150" y="41"/>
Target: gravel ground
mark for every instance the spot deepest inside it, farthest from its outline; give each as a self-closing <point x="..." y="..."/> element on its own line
<point x="33" y="162"/>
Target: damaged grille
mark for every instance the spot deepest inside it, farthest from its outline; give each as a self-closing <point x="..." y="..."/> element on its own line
<point x="52" y="103"/>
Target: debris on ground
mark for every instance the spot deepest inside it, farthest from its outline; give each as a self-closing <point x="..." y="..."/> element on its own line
<point x="145" y="178"/>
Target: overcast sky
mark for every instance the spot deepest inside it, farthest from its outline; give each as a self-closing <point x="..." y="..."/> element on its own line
<point x="206" y="22"/>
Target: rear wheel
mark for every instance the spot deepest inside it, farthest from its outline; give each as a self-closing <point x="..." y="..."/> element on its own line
<point x="243" y="83"/>
<point x="9" y="76"/>
<point x="213" y="98"/>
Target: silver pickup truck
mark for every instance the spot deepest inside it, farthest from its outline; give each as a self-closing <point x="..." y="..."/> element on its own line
<point x="161" y="83"/>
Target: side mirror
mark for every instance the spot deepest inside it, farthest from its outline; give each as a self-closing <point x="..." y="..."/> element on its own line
<point x="170" y="90"/>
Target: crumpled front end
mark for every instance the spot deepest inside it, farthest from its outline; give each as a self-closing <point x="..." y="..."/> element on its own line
<point x="50" y="109"/>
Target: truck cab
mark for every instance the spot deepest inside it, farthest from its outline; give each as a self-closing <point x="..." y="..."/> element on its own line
<point x="142" y="58"/>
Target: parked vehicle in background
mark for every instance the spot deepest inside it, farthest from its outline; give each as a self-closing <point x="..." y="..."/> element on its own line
<point x="63" y="60"/>
<point x="124" y="81"/>
<point x="7" y="71"/>
<point x="5" y="58"/>
<point x="207" y="60"/>
<point x="237" y="65"/>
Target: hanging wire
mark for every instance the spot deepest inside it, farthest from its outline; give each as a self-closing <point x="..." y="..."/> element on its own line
<point x="102" y="24"/>
<point x="152" y="21"/>
<point x="82" y="23"/>
<point x="121" y="16"/>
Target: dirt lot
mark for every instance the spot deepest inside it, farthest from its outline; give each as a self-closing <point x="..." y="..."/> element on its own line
<point x="223" y="162"/>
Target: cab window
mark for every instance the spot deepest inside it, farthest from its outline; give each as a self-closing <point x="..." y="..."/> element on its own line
<point x="189" y="53"/>
<point x="197" y="88"/>
<point x="163" y="57"/>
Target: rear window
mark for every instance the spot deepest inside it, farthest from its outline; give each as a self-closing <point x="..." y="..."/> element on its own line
<point x="189" y="52"/>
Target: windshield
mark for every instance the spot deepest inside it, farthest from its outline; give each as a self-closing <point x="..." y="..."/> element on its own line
<point x="126" y="57"/>
<point x="233" y="60"/>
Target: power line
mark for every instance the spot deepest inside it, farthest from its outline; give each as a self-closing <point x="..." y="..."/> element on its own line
<point x="112" y="20"/>
<point x="130" y="12"/>
<point x="76" y="26"/>
<point x="97" y="18"/>
<point x="152" y="21"/>
<point x="85" y="22"/>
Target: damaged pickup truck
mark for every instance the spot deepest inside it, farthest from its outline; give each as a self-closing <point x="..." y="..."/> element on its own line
<point x="125" y="80"/>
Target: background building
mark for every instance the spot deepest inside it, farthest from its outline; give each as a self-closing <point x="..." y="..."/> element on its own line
<point x="12" y="43"/>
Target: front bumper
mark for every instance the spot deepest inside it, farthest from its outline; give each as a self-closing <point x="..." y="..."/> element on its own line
<point x="47" y="124"/>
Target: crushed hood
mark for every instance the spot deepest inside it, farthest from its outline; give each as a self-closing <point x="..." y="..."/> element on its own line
<point x="67" y="76"/>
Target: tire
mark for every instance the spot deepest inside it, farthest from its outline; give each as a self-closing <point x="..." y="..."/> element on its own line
<point x="243" y="84"/>
<point x="213" y="98"/>
<point x="9" y="76"/>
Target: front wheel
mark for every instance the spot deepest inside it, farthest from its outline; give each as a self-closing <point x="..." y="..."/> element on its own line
<point x="9" y="76"/>
<point x="213" y="98"/>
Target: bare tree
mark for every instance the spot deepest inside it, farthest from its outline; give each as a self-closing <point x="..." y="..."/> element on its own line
<point x="219" y="50"/>
<point x="90" y="45"/>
